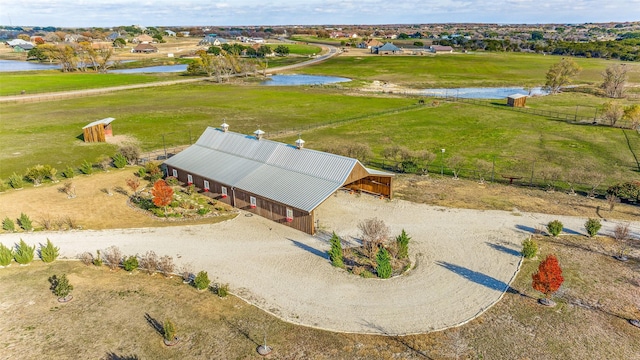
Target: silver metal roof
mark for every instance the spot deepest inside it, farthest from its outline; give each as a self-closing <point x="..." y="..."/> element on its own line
<point x="105" y="121"/>
<point x="301" y="178"/>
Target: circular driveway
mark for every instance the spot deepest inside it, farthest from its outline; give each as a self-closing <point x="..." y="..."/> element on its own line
<point x="464" y="261"/>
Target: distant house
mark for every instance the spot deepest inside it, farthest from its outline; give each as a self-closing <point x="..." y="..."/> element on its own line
<point x="517" y="100"/>
<point x="185" y="33"/>
<point x="13" y="43"/>
<point x="142" y="39"/>
<point x="114" y="35"/>
<point x="213" y="39"/>
<point x="23" y="47"/>
<point x="170" y="33"/>
<point x="144" y="48"/>
<point x="440" y="49"/>
<point x="387" y="48"/>
<point x="98" y="130"/>
<point x="369" y="44"/>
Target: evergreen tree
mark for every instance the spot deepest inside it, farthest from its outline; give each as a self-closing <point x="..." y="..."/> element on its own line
<point x="335" y="254"/>
<point x="384" y="264"/>
<point x="403" y="245"/>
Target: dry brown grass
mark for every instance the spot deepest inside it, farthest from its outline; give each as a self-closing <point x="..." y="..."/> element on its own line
<point x="92" y="208"/>
<point x="469" y="194"/>
<point x="108" y="317"/>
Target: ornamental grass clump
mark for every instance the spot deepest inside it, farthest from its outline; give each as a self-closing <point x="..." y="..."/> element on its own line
<point x="201" y="280"/>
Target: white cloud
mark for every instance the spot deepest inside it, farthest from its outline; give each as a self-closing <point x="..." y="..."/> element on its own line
<point x="83" y="13"/>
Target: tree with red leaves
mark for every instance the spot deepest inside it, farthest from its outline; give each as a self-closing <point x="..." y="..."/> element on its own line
<point x="162" y="194"/>
<point x="548" y="278"/>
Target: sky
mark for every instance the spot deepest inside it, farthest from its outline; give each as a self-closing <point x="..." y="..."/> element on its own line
<point x="101" y="13"/>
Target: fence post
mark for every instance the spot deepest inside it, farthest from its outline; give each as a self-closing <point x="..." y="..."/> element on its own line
<point x="493" y="169"/>
<point x="533" y="165"/>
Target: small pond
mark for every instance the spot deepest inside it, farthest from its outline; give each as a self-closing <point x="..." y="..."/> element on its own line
<point x="484" y="93"/>
<point x="17" y="65"/>
<point x="300" y="79"/>
<point x="152" y="69"/>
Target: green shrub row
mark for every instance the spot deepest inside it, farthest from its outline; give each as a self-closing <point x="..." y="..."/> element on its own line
<point x="23" y="254"/>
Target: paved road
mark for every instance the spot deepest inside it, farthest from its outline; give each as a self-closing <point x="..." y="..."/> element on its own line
<point x="330" y="52"/>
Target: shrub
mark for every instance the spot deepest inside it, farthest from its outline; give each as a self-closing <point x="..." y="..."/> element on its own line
<point x="222" y="290"/>
<point x="529" y="248"/>
<point x="25" y="222"/>
<point x="36" y="174"/>
<point x="142" y="172"/>
<point x="149" y="262"/>
<point x="592" y="226"/>
<point x="6" y="255"/>
<point x="119" y="161"/>
<point x="554" y="228"/>
<point x="629" y="191"/>
<point x="86" y="168"/>
<point x="97" y="261"/>
<point x="130" y="263"/>
<point x="86" y="258"/>
<point x="201" y="281"/>
<point x="549" y="276"/>
<point x="172" y="181"/>
<point x="8" y="225"/>
<point x="24" y="253"/>
<point x="166" y="266"/>
<point x="113" y="257"/>
<point x="203" y="211"/>
<point x="373" y="232"/>
<point x="51" y="172"/>
<point x="169" y="330"/>
<point x="69" y="172"/>
<point x="335" y="254"/>
<point x="131" y="153"/>
<point x="402" y="242"/>
<point x="3" y="186"/>
<point x="60" y="286"/>
<point x="49" y="253"/>
<point x="16" y="181"/>
<point x="383" y="260"/>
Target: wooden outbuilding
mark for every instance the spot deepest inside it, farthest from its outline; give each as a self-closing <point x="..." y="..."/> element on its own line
<point x="281" y="182"/>
<point x="517" y="100"/>
<point x="98" y="130"/>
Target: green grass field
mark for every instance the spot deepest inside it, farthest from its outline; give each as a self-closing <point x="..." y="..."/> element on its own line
<point x="53" y="80"/>
<point x="461" y="70"/>
<point x="302" y="49"/>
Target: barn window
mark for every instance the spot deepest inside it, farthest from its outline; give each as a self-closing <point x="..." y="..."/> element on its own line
<point x="224" y="192"/>
<point x="175" y="173"/>
<point x="289" y="215"/>
<point x="189" y="179"/>
<point x="252" y="199"/>
<point x="206" y="186"/>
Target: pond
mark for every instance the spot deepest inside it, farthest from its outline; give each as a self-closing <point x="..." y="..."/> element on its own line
<point x="17" y="65"/>
<point x="484" y="93"/>
<point x="300" y="79"/>
<point x="152" y="69"/>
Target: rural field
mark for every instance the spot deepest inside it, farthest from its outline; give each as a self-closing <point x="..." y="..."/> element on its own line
<point x="489" y="139"/>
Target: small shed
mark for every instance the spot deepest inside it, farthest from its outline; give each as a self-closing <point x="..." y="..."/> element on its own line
<point x="516" y="100"/>
<point x="98" y="130"/>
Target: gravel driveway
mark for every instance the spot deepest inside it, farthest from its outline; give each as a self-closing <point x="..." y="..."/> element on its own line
<point x="464" y="261"/>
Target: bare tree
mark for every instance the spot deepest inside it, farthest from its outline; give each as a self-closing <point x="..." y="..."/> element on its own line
<point x="373" y="233"/>
<point x="612" y="200"/>
<point x="426" y="158"/>
<point x="113" y="257"/>
<point x="561" y="74"/>
<point x="614" y="79"/>
<point x="551" y="175"/>
<point x="166" y="266"/>
<point x="483" y="167"/>
<point x="149" y="262"/>
<point x="612" y="112"/>
<point x="455" y="163"/>
<point x="622" y="235"/>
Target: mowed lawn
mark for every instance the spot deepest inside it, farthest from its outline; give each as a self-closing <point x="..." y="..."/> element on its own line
<point x="462" y="70"/>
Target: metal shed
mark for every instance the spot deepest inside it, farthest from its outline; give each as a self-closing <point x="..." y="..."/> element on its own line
<point x="98" y="130"/>
<point x="282" y="182"/>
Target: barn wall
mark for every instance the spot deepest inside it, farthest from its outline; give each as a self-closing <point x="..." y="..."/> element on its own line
<point x="378" y="185"/>
<point x="240" y="199"/>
